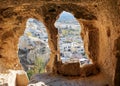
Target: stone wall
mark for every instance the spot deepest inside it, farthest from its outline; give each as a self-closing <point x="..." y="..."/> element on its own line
<point x="100" y="31"/>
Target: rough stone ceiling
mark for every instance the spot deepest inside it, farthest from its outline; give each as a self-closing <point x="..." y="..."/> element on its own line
<point x="100" y="20"/>
<point x="45" y="8"/>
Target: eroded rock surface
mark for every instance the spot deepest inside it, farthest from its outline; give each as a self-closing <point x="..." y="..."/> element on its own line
<point x="100" y="20"/>
<point x="50" y="80"/>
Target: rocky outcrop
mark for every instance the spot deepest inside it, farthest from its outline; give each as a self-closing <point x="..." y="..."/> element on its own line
<point x="100" y="21"/>
<point x="33" y="44"/>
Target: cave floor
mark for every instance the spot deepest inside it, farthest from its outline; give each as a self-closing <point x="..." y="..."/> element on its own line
<point x="57" y="80"/>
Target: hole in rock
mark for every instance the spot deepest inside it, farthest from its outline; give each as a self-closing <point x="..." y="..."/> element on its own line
<point x="33" y="47"/>
<point x="71" y="44"/>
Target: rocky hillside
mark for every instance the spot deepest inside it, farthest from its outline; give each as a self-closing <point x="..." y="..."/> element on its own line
<point x="33" y="44"/>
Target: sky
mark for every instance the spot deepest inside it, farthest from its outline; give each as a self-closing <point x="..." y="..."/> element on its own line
<point x="66" y="16"/>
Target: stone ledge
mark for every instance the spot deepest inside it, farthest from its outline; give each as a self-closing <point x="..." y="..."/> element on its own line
<point x="52" y="80"/>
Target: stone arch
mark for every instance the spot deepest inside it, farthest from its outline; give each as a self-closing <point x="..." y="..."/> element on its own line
<point x="13" y="25"/>
<point x="89" y="30"/>
<point x="11" y="28"/>
<point x="87" y="21"/>
<point x="51" y="14"/>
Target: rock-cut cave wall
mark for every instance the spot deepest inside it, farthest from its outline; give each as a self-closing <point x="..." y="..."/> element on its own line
<point x="100" y="21"/>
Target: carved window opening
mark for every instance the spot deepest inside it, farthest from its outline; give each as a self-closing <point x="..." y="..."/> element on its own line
<point x="33" y="47"/>
<point x="70" y="42"/>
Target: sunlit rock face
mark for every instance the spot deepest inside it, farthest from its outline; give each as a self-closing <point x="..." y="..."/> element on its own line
<point x="33" y="44"/>
<point x="100" y="31"/>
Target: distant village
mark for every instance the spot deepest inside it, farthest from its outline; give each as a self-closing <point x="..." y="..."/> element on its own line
<point x="71" y="50"/>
